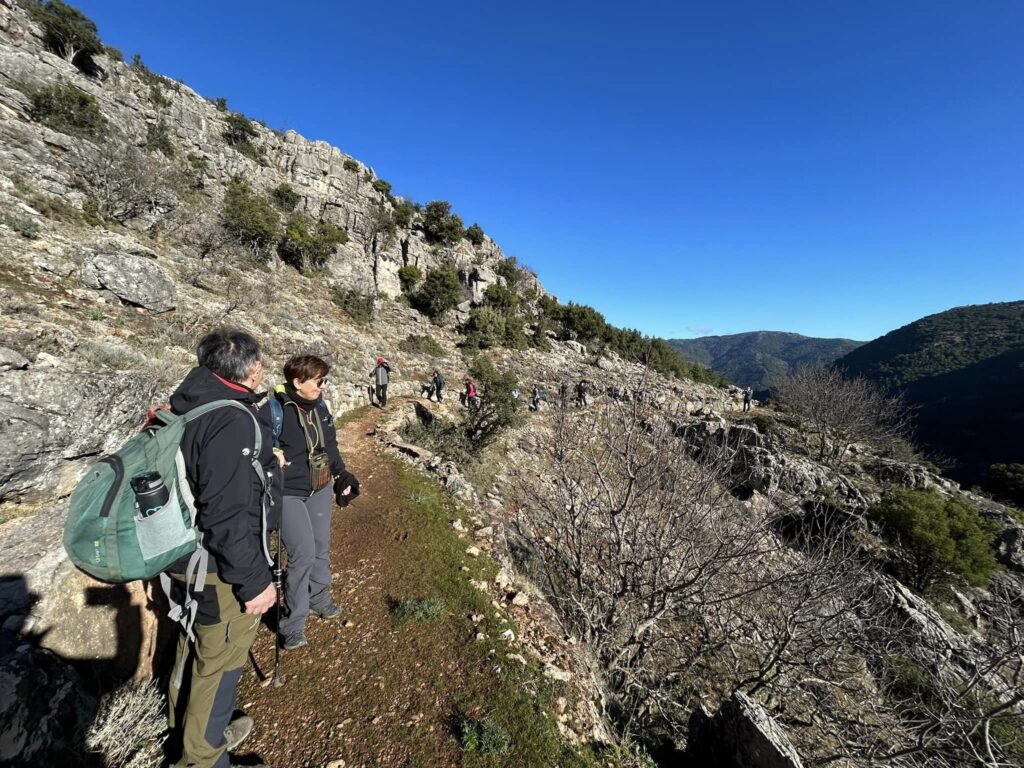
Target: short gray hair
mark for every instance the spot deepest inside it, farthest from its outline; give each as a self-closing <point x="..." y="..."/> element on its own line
<point x="229" y="352"/>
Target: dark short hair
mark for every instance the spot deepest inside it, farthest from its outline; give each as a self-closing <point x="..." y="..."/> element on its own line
<point x="229" y="352"/>
<point x="304" y="368"/>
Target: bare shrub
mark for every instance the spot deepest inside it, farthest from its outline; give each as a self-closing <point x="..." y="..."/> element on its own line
<point x="128" y="729"/>
<point x="127" y="183"/>
<point x="842" y="411"/>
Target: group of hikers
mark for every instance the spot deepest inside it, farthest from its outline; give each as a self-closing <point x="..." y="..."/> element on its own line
<point x="288" y="481"/>
<point x="300" y="476"/>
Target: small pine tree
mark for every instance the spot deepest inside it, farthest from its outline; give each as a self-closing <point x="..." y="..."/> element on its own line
<point x="475" y="235"/>
<point x="439" y="293"/>
<point x="940" y="536"/>
<point x="441" y="225"/>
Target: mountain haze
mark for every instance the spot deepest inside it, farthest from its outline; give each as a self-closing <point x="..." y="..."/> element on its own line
<point x="760" y="358"/>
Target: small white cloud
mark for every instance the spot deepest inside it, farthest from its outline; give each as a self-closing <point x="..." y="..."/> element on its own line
<point x="699" y="330"/>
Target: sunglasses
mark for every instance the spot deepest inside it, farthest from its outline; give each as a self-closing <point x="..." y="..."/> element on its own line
<point x="320" y="382"/>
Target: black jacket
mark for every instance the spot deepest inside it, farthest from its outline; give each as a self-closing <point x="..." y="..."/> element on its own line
<point x="227" y="490"/>
<point x="293" y="441"/>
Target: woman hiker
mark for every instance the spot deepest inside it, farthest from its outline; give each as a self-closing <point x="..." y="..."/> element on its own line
<point x="307" y="446"/>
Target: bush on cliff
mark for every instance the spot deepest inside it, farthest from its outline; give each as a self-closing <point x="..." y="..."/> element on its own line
<point x="250" y="218"/>
<point x="941" y="537"/>
<point x="441" y="225"/>
<point x="439" y="293"/>
<point x="67" y="31"/>
<point x="69" y="110"/>
<point x="308" y="245"/>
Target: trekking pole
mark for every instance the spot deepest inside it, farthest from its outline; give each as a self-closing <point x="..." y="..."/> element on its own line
<point x="278" y="584"/>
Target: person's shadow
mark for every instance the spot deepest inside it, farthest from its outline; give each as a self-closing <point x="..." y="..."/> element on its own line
<point x="53" y="701"/>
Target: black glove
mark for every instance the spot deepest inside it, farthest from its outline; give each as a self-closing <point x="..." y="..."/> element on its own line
<point x="345" y="480"/>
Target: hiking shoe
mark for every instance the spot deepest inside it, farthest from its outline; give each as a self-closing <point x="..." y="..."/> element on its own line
<point x="236" y="731"/>
<point x="329" y="611"/>
<point x="293" y="641"/>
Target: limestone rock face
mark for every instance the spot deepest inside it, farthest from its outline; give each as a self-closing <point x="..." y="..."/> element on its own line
<point x="132" y="278"/>
<point x="53" y="424"/>
<point x="11" y="360"/>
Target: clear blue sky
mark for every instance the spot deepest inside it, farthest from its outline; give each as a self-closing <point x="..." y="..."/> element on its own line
<point x="828" y="168"/>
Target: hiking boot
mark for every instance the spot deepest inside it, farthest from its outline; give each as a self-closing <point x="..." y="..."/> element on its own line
<point x="293" y="641"/>
<point x="329" y="611"/>
<point x="236" y="731"/>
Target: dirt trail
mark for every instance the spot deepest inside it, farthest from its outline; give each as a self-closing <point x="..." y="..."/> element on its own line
<point x="367" y="690"/>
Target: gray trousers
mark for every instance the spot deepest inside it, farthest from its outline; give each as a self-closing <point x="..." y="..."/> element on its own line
<point x="306" y="535"/>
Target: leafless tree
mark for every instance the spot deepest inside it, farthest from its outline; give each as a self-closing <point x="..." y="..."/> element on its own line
<point x="841" y="410"/>
<point x="375" y="231"/>
<point x="127" y="182"/>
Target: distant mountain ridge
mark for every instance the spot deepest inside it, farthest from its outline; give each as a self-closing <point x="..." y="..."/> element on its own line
<point x="963" y="370"/>
<point x="760" y="358"/>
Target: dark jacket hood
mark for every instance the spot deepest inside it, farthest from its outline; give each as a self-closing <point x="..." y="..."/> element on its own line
<point x="202" y="386"/>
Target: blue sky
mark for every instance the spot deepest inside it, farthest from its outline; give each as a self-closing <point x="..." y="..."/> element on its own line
<point x="832" y="169"/>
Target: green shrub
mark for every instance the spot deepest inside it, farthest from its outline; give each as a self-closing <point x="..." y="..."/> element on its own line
<point x="484" y="736"/>
<point x="417" y="609"/>
<point x="421" y="345"/>
<point x="1006" y="483"/>
<point x="382" y="186"/>
<point x="158" y="139"/>
<point x="350" y="164"/>
<point x="485" y="328"/>
<point x="582" y="322"/>
<point x="408" y="276"/>
<point x="403" y="214"/>
<point x="475" y="235"/>
<point x="439" y="293"/>
<point x="195" y="170"/>
<point x="307" y="245"/>
<point x="221" y="103"/>
<point x="114" y="54"/>
<point x="250" y="218"/>
<point x="26" y="227"/>
<point x="501" y="298"/>
<point x="157" y="97"/>
<point x="68" y="110"/>
<point x="358" y="306"/>
<point x="66" y="30"/>
<point x="440" y="225"/>
<point x="510" y="270"/>
<point x="940" y="537"/>
<point x="498" y="410"/>
<point x="285" y="197"/>
<point x="239" y="133"/>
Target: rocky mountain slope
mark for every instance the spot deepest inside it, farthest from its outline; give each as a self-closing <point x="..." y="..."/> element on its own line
<point x="755" y="644"/>
<point x="963" y="371"/>
<point x="760" y="358"/>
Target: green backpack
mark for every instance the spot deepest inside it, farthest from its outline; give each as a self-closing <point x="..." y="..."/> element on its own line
<point x="111" y="539"/>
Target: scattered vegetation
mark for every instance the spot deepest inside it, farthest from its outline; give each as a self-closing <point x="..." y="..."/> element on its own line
<point x="941" y="537"/>
<point x="358" y="306"/>
<point x="285" y="197"/>
<point x="158" y="139"/>
<point x="404" y="213"/>
<point x="250" y="218"/>
<point x="221" y="103"/>
<point x="67" y="32"/>
<point x="484" y="736"/>
<point x="23" y="225"/>
<point x="439" y="293"/>
<point x="68" y="109"/>
<point x="350" y="164"/>
<point x="440" y="225"/>
<point x="417" y="609"/>
<point x="422" y="345"/>
<point x="1006" y="483"/>
<point x="475" y="235"/>
<point x="124" y="182"/>
<point x="240" y="132"/>
<point x="128" y="730"/>
<point x="409" y="275"/>
<point x="382" y="186"/>
<point x="307" y="245"/>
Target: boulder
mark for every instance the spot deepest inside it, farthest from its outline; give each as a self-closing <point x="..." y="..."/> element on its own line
<point x="132" y="278"/>
<point x="11" y="360"/>
<point x="741" y="735"/>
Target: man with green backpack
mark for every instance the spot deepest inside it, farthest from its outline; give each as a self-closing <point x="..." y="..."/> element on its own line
<point x="190" y="499"/>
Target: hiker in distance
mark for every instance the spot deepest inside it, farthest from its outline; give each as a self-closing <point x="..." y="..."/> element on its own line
<point x="437" y="382"/>
<point x="307" y="447"/>
<point x="232" y="511"/>
<point x="381" y="376"/>
<point x="747" y="394"/>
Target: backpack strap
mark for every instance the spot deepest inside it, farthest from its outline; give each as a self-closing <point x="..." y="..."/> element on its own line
<point x="276" y="419"/>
